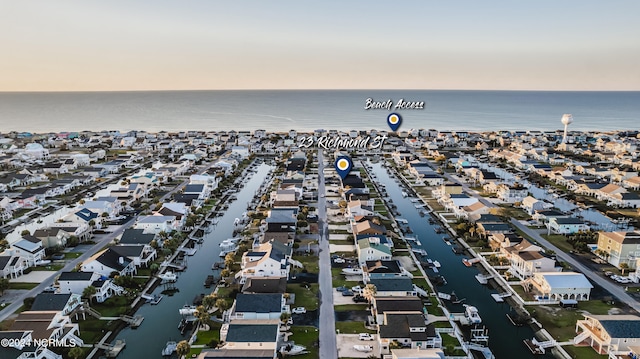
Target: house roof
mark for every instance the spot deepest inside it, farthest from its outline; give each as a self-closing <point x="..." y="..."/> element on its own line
<point x="259" y="303"/>
<point x="237" y="353"/>
<point x="254" y="333"/>
<point x="265" y="285"/>
<point x="50" y="301"/>
<point x="392" y="266"/>
<point x="30" y="244"/>
<point x="629" y="328"/>
<point x="568" y="220"/>
<point x="399" y="326"/>
<point x="393" y="284"/>
<point x="398" y="304"/>
<point x="86" y="214"/>
<point x="111" y="259"/>
<point x="129" y="251"/>
<point x="136" y="236"/>
<point x="566" y="280"/>
<point x="75" y="276"/>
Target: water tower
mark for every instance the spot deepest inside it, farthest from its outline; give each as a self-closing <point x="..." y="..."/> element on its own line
<point x="566" y="120"/>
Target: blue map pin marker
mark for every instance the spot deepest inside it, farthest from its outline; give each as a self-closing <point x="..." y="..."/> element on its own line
<point x="343" y="166"/>
<point x="394" y="120"/>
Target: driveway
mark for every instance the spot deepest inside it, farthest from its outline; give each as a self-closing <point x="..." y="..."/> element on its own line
<point x="347" y="341"/>
<point x="38" y="276"/>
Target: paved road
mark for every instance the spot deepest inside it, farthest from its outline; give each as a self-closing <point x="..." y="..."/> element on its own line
<point x="613" y="288"/>
<point x="103" y="241"/>
<point x="327" y="323"/>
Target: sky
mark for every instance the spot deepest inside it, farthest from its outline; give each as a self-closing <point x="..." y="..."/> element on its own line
<point x="113" y="45"/>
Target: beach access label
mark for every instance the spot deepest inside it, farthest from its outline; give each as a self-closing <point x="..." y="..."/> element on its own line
<point x="401" y="104"/>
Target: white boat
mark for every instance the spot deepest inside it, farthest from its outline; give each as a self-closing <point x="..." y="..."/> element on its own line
<point x="351" y="271"/>
<point x="169" y="348"/>
<point x="168" y="276"/>
<point x="188" y="310"/>
<point x="363" y="348"/>
<point x="471" y="313"/>
<point x="293" y="350"/>
<point x="436" y="264"/>
<point x="228" y="246"/>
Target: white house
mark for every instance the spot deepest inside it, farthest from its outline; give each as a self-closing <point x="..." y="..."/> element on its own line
<point x="108" y="261"/>
<point x="560" y="285"/>
<point x="30" y="248"/>
<point x="269" y="259"/>
<point x="567" y="225"/>
<point x="370" y="249"/>
<point x="157" y="223"/>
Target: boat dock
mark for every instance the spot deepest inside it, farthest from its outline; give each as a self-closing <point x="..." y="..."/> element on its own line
<point x="499" y="297"/>
<point x="483" y="278"/>
<point x="111" y="350"/>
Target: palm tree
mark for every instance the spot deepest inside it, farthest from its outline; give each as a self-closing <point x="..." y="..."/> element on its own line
<point x="76" y="352"/>
<point x="89" y="292"/>
<point x="209" y="301"/>
<point x="623" y="267"/>
<point x="369" y="291"/>
<point x="183" y="348"/>
<point x="203" y="315"/>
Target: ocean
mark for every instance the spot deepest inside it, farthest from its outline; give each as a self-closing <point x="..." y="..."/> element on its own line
<point x="307" y="110"/>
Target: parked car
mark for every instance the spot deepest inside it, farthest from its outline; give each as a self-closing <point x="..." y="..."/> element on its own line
<point x="57" y="256"/>
<point x="299" y="310"/>
<point x="341" y="289"/>
<point x="608" y="273"/>
<point x="365" y="336"/>
<point x="357" y="289"/>
<point x="339" y="260"/>
<point x="359" y="299"/>
<point x="50" y="289"/>
<point x="347" y="293"/>
<point x="363" y="348"/>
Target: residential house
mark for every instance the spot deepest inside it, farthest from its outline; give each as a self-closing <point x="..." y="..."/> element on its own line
<point x="525" y="259"/>
<point x="250" y="334"/>
<point x="265" y="285"/>
<point x="77" y="282"/>
<point x="619" y="247"/>
<point x="381" y="269"/>
<point x="48" y="325"/>
<point x="12" y="266"/>
<point x="394" y="287"/>
<point x="368" y="227"/>
<point x="64" y="303"/>
<point x="531" y="205"/>
<point x="610" y="334"/>
<point x="407" y="330"/>
<point x="52" y="237"/>
<point x="269" y="259"/>
<point x="370" y="249"/>
<point x="140" y="254"/>
<point x="109" y="261"/>
<point x="558" y="286"/>
<point x="155" y="224"/>
<point x="567" y="225"/>
<point x="30" y="248"/>
<point x="381" y="305"/>
<point x="258" y="306"/>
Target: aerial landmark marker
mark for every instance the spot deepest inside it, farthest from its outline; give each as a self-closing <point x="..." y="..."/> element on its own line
<point x="394" y="120"/>
<point x="343" y="166"/>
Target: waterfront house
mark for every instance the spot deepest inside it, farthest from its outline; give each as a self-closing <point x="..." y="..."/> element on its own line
<point x="368" y="227"/>
<point x="619" y="247"/>
<point x="394" y="287"/>
<point x="282" y="220"/>
<point x="531" y="205"/>
<point x="512" y="193"/>
<point x="360" y="208"/>
<point x="140" y="254"/>
<point x="250" y="334"/>
<point x="381" y="269"/>
<point x="30" y="248"/>
<point x="258" y="306"/>
<point x="225" y="353"/>
<point x="502" y="240"/>
<point x="265" y="285"/>
<point x="65" y="303"/>
<point x="381" y="305"/>
<point x="474" y="211"/>
<point x="525" y="259"/>
<point x="567" y="225"/>
<point x="407" y="330"/>
<point x="107" y="262"/>
<point x="558" y="286"/>
<point x="76" y="282"/>
<point x="616" y="335"/>
<point x="82" y="216"/>
<point x="154" y="224"/>
<point x="284" y="199"/>
<point x="370" y="249"/>
<point x="269" y="259"/>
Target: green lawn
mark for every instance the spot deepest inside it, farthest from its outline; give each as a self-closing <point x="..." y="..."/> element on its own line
<point x="338" y="279"/>
<point x="92" y="330"/>
<point x="72" y="255"/>
<point x="583" y="352"/>
<point x="559" y="241"/>
<point x="352" y="328"/>
<point x="204" y="337"/>
<point x="310" y="263"/>
<point x="22" y="285"/>
<point x="305" y="297"/>
<point x="51" y="267"/>
<point x="450" y="342"/>
<point x="113" y="307"/>
<point x="306" y="336"/>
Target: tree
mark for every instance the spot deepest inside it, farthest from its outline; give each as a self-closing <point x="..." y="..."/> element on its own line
<point x="25" y="233"/>
<point x="222" y="305"/>
<point x="285" y="316"/>
<point x="210" y="301"/>
<point x="369" y="291"/>
<point x="76" y="352"/>
<point x="229" y="259"/>
<point x="203" y="315"/>
<point x="89" y="292"/>
<point x="92" y="223"/>
<point x="623" y="267"/>
<point x="183" y="348"/>
<point x="4" y="285"/>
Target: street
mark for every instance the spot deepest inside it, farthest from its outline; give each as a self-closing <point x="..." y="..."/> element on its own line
<point x="327" y="324"/>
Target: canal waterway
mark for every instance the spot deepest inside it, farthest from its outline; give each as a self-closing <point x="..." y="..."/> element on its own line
<point x="505" y="339"/>
<point x="161" y="321"/>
